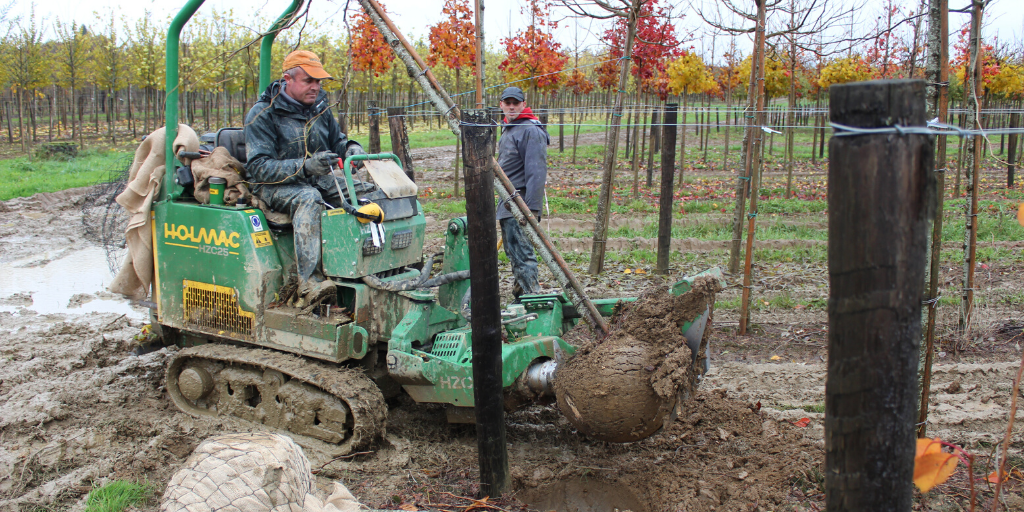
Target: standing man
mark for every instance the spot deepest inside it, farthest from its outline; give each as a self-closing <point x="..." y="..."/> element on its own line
<point x="523" y="155"/>
<point x="292" y="143"/>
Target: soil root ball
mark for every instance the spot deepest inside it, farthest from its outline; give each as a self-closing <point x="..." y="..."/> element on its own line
<point x="625" y="387"/>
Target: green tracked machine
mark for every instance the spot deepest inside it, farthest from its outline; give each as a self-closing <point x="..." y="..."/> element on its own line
<point x="392" y="327"/>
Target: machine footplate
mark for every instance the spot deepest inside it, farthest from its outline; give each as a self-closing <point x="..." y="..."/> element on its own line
<point x="336" y="410"/>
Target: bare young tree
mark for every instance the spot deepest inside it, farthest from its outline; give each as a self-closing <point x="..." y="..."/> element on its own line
<point x="71" y="57"/>
<point x="609" y="9"/>
<point x="802" y="19"/>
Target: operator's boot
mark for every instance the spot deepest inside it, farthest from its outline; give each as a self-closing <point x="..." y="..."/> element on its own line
<point x="315" y="291"/>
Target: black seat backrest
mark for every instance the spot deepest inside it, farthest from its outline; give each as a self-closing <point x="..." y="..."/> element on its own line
<point x="233" y="139"/>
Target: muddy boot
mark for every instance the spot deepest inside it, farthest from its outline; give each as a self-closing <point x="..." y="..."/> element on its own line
<point x="287" y="293"/>
<point x="315" y="291"/>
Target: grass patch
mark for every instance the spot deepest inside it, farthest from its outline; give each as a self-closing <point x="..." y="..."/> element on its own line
<point x="24" y="176"/>
<point x="117" y="496"/>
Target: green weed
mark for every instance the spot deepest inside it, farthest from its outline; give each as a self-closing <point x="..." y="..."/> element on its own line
<point x="117" y="496"/>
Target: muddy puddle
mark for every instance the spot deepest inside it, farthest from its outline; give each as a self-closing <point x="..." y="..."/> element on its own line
<point x="71" y="282"/>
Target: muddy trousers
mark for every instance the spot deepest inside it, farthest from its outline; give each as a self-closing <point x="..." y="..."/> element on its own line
<point x="303" y="203"/>
<point x="520" y="252"/>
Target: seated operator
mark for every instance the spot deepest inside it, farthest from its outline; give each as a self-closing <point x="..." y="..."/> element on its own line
<point x="292" y="143"/>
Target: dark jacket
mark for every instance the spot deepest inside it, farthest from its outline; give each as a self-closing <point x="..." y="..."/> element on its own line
<point x="523" y="155"/>
<point x="280" y="132"/>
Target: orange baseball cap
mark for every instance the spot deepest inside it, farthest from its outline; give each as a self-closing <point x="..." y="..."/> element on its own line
<point x="309" y="63"/>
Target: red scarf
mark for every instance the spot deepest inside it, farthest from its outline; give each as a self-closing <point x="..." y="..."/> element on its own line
<point x="525" y="114"/>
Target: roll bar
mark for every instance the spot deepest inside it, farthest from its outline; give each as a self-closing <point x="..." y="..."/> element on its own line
<point x="170" y="189"/>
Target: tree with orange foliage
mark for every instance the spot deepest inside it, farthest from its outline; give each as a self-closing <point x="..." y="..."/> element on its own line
<point x="368" y="50"/>
<point x="533" y="55"/>
<point x="453" y="44"/>
<point x="453" y="39"/>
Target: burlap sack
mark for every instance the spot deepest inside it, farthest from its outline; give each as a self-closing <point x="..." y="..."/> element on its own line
<point x="250" y="472"/>
<point x="144" y="180"/>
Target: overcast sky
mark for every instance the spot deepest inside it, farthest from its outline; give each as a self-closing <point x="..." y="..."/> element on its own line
<point x="1004" y="18"/>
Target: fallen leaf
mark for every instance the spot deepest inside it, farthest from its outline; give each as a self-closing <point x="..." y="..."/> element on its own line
<point x="408" y="506"/>
<point x="933" y="469"/>
<point x="992" y="478"/>
<point x="926" y="446"/>
<point x="802" y="422"/>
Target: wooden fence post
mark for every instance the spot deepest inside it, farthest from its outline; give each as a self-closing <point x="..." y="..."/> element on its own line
<point x="400" y="139"/>
<point x="373" y="117"/>
<point x="879" y="207"/>
<point x="1011" y="149"/>
<point x="477" y="153"/>
<point x="668" y="165"/>
<point x="561" y="130"/>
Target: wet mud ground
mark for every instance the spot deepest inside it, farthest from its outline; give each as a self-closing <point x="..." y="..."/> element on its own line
<point x="77" y="409"/>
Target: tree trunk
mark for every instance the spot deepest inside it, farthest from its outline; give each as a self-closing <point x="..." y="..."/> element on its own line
<point x="937" y="72"/>
<point x="974" y="156"/>
<point x="756" y="147"/>
<point x="21" y="126"/>
<point x="682" y="140"/>
<point x="597" y="252"/>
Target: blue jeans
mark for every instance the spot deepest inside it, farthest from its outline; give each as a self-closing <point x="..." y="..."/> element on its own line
<point x="520" y="252"/>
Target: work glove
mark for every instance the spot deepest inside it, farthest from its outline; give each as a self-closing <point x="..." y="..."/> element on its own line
<point x="319" y="164"/>
<point x="352" y="149"/>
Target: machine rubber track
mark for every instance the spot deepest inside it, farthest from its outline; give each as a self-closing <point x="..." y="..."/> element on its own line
<point x="332" y="409"/>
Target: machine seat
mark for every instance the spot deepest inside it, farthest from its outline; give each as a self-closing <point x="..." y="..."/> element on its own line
<point x="232" y="139"/>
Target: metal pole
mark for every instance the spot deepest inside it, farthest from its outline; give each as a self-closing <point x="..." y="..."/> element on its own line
<point x="171" y="84"/>
<point x="478" y="148"/>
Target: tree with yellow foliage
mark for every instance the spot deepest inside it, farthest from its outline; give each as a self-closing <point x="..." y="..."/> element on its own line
<point x="776" y="77"/>
<point x="688" y="74"/>
<point x="848" y="69"/>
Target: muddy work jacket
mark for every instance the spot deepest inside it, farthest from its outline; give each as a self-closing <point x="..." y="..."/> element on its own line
<point x="523" y="155"/>
<point x="281" y="132"/>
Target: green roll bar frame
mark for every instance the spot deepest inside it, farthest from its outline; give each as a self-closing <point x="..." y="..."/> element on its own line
<point x="171" y="190"/>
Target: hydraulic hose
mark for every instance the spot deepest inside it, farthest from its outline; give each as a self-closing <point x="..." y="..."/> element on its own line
<point x="415" y="284"/>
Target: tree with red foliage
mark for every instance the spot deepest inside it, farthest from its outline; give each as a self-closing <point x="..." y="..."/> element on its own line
<point x="656" y="43"/>
<point x="369" y="51"/>
<point x="608" y="71"/>
<point x="533" y="55"/>
<point x="962" y="57"/>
